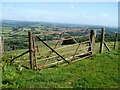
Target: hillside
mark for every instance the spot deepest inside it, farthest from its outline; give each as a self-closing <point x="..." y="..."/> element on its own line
<point x="93" y="72"/>
<point x="54" y="26"/>
<point x="17" y="31"/>
<point x="98" y="71"/>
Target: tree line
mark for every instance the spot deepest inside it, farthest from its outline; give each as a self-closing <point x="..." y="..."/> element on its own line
<point x="22" y="43"/>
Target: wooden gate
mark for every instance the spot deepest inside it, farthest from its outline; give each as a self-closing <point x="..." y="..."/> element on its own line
<point x="60" y="48"/>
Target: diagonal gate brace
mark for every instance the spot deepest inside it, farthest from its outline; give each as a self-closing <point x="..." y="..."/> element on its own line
<point x="19" y="56"/>
<point x="52" y="49"/>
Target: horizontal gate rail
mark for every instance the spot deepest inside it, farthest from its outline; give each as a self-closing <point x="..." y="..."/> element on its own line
<point x="63" y="60"/>
<point x="64" y="47"/>
<point x="78" y="59"/>
<point x="60" y="32"/>
<point x="63" y="39"/>
<point x="81" y="58"/>
<point x="63" y="53"/>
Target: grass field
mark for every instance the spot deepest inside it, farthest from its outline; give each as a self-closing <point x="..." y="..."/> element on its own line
<point x="6" y="32"/>
<point x="98" y="71"/>
<point x="25" y="59"/>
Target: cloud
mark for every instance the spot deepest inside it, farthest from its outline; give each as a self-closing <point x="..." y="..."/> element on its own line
<point x="105" y="14"/>
<point x="72" y="6"/>
<point x="43" y="6"/>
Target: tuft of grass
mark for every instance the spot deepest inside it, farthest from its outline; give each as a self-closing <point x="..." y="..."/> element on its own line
<point x="98" y="71"/>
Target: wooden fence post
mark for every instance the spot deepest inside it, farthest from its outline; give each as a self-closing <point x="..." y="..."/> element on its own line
<point x="1" y="45"/>
<point x="92" y="40"/>
<point x="31" y="49"/>
<point x="102" y="40"/>
<point x="115" y="40"/>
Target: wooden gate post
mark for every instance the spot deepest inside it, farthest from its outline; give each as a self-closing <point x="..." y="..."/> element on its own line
<point x="102" y="40"/>
<point x="92" y="40"/>
<point x="34" y="55"/>
<point x="31" y="49"/>
<point x="115" y="40"/>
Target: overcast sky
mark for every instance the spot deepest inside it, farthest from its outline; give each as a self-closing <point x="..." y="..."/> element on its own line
<point x="95" y="13"/>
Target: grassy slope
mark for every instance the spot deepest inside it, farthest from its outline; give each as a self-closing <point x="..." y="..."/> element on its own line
<point x="98" y="71"/>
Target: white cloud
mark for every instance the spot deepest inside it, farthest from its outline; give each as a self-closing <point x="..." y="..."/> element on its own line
<point x="72" y="6"/>
<point x="45" y="6"/>
<point x="105" y="14"/>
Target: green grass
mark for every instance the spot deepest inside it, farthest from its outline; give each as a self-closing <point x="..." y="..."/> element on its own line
<point x="24" y="60"/>
<point x="98" y="71"/>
